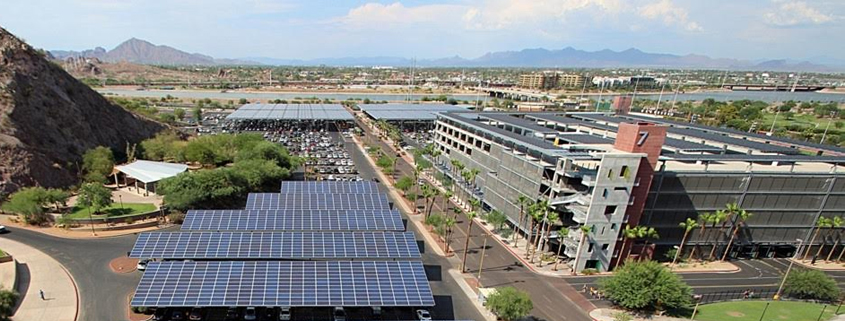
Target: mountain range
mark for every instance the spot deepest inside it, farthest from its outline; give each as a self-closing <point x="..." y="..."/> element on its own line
<point x="143" y="52"/>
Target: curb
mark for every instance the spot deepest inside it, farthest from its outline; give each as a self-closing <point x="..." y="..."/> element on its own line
<point x="75" y="290"/>
<point x="840" y="269"/>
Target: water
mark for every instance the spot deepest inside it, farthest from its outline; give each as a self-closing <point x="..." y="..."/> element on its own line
<point x="667" y="96"/>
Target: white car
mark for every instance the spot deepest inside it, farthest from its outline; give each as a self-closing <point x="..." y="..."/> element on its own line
<point x="284" y="314"/>
<point x="3" y="229"/>
<point x="423" y="315"/>
<point x="142" y="265"/>
<point x="250" y="314"/>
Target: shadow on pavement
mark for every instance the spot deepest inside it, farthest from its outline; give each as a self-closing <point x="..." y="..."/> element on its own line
<point x="434" y="273"/>
<point x="421" y="245"/>
<point x="443" y="308"/>
<point x="23" y="277"/>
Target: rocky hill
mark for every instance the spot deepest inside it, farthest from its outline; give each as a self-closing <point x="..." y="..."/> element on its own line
<point x="48" y="120"/>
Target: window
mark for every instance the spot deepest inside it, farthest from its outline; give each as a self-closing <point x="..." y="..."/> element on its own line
<point x="604" y="193"/>
<point x="602" y="229"/>
<point x="604" y="247"/>
<point x="610" y="173"/>
<point x="626" y="172"/>
<point x="620" y="189"/>
<point x="610" y="210"/>
<point x="613" y="227"/>
<point x="590" y="249"/>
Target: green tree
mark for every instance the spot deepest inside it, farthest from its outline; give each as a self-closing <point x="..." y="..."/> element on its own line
<point x="28" y="202"/>
<point x="404" y="184"/>
<point x="94" y="196"/>
<point x="179" y="113"/>
<point x="646" y="286"/>
<point x="470" y="217"/>
<point x="497" y="219"/>
<point x="98" y="163"/>
<point x="196" y="112"/>
<point x="57" y="197"/>
<point x="8" y="299"/>
<point x="628" y="235"/>
<point x="242" y="101"/>
<point x="561" y="234"/>
<point x="821" y="223"/>
<point x="509" y="303"/>
<point x="200" y="152"/>
<point x="688" y="226"/>
<point x="811" y="285"/>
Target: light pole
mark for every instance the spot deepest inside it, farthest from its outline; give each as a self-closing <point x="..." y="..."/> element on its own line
<point x="788" y="269"/>
<point x="120" y="197"/>
<point x="481" y="262"/>
<point x="697" y="298"/>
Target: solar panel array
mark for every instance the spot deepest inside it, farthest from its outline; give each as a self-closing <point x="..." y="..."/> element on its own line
<point x="299" y="235"/>
<point x="283" y="283"/>
<point x="408" y="111"/>
<point x="293" y="220"/>
<point x="317" y="201"/>
<point x="327" y="187"/>
<point x="276" y="245"/>
<point x="291" y="112"/>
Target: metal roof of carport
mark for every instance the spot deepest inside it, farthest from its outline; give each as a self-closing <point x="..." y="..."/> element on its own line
<point x="149" y="171"/>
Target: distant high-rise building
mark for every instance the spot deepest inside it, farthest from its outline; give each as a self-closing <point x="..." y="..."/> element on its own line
<point x="538" y="80"/>
<point x="572" y="81"/>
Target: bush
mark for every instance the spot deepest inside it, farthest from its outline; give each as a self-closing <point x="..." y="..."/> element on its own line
<point x="811" y="285"/>
<point x="589" y="271"/>
<point x="176" y="218"/>
<point x="98" y="163"/>
<point x="646" y="286"/>
<point x="509" y="303"/>
<point x="8" y="298"/>
<point x="129" y="220"/>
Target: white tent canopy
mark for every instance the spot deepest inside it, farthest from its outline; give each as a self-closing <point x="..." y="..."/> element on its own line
<point x="150" y="172"/>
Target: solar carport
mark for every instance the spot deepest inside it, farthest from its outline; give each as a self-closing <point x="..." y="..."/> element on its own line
<point x="408" y="116"/>
<point x="315" y="245"/>
<point x="313" y="116"/>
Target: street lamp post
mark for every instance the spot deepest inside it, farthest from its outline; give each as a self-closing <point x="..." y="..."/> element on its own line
<point x="788" y="269"/>
<point x="481" y="262"/>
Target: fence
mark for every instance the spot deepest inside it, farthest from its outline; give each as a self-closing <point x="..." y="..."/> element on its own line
<point x="746" y="294"/>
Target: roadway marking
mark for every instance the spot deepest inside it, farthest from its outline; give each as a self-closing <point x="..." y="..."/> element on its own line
<point x="759" y="271"/>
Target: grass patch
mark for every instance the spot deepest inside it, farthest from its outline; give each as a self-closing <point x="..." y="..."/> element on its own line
<point x="2" y="254"/>
<point x="752" y="310"/>
<point x="114" y="210"/>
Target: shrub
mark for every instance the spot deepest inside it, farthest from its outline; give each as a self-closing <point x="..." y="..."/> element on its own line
<point x="589" y="271"/>
<point x="812" y="285"/>
<point x="176" y="218"/>
<point x="646" y="286"/>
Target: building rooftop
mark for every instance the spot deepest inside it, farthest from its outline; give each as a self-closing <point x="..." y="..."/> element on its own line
<point x="150" y="171"/>
<point x="291" y="112"/>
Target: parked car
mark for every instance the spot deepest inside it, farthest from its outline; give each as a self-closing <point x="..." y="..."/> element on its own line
<point x="250" y="314"/>
<point x="159" y="314"/>
<point x="3" y="229"/>
<point x="195" y="315"/>
<point x="339" y="314"/>
<point x="284" y="314"/>
<point x="142" y="265"/>
<point x="177" y="315"/>
<point x="423" y="315"/>
<point x="232" y="314"/>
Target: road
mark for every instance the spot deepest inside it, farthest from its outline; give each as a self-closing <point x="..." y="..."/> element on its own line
<point x="501" y="268"/>
<point x="104" y="294"/>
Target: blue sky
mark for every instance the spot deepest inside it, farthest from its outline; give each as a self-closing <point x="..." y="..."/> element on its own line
<point x="745" y="29"/>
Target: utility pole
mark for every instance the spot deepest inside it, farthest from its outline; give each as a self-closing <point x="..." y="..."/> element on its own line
<point x="832" y="114"/>
<point x="788" y="269"/>
<point x="481" y="262"/>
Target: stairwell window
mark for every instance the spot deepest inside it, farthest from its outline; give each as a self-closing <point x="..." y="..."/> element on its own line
<point x="626" y="172"/>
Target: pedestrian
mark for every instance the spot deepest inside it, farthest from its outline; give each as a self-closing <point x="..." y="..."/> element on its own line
<point x="745" y="294"/>
<point x="42" y="294"/>
<point x="584" y="289"/>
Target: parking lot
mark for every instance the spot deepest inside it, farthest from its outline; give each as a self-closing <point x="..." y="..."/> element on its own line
<point x="275" y="313"/>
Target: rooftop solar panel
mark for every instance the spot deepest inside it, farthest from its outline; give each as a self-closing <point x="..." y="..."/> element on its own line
<point x="322" y="187"/>
<point x="317" y="201"/>
<point x="275" y="245"/>
<point x="293" y="220"/>
<point x="289" y="284"/>
<point x="291" y="112"/>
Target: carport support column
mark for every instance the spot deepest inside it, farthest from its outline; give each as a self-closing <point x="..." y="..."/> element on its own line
<point x="146" y="190"/>
<point x="116" y="181"/>
<point x="136" y="187"/>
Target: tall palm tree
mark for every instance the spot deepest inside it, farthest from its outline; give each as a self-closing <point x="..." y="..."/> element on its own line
<point x="533" y="214"/>
<point x="741" y="217"/>
<point x="543" y="212"/>
<point x="628" y="233"/>
<point x="522" y="200"/>
<point x="550" y="218"/>
<point x="473" y="173"/>
<point x="688" y="225"/>
<point x="830" y="225"/>
<point x="645" y="234"/>
<point x="448" y="223"/>
<point x="434" y="193"/>
<point x="822" y="222"/>
<point x="835" y="223"/>
<point x="447" y="195"/>
<point x="428" y="193"/>
<point x="470" y="217"/>
<point x="703" y="220"/>
<point x="720" y="217"/>
<point x="561" y="233"/>
<point x="585" y="230"/>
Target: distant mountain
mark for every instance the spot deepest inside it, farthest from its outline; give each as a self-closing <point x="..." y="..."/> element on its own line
<point x="570" y="58"/>
<point x="143" y="52"/>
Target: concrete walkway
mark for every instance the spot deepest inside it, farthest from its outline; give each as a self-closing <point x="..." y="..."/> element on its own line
<point x="38" y="271"/>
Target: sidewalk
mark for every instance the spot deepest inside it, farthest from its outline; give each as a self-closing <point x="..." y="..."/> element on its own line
<point x="83" y="233"/>
<point x="38" y="271"/>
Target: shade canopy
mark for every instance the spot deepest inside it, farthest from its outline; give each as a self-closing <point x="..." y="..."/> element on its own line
<point x="150" y="172"/>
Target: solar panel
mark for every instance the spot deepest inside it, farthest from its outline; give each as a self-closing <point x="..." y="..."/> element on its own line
<point x="276" y="245"/>
<point x="324" y="187"/>
<point x="291" y="112"/>
<point x="293" y="220"/>
<point x="317" y="201"/>
<point x="279" y="283"/>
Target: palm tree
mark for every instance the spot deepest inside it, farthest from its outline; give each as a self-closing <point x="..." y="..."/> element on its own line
<point x="561" y="233"/>
<point x="522" y="200"/>
<point x="533" y="214"/>
<point x="585" y="229"/>
<point x="446" y="197"/>
<point x="741" y="217"/>
<point x="835" y="223"/>
<point x="688" y="225"/>
<point x="822" y="222"/>
<point x="434" y="193"/>
<point x="470" y="217"/>
<point x="550" y="218"/>
<point x="628" y="233"/>
<point x="645" y="234"/>
<point x="828" y="225"/>
<point x="720" y="218"/>
<point x="471" y="175"/>
<point x="543" y="213"/>
<point x="427" y="193"/>
<point x="703" y="220"/>
<point x="448" y="223"/>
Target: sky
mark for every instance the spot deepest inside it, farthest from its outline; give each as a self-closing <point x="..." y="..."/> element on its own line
<point x="294" y="29"/>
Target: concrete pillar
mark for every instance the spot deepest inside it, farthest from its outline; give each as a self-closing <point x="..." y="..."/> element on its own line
<point x="116" y="181"/>
<point x="146" y="190"/>
<point x="136" y="187"/>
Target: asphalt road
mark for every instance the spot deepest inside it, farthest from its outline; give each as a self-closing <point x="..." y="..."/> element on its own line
<point x="501" y="268"/>
<point x="104" y="294"/>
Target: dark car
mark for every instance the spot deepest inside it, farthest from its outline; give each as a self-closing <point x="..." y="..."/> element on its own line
<point x="159" y="314"/>
<point x="177" y="315"/>
<point x="232" y="314"/>
<point x="195" y="315"/>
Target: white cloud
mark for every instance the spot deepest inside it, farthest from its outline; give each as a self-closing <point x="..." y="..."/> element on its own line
<point x="503" y="14"/>
<point x="790" y="13"/>
<point x="377" y="16"/>
<point x="670" y="14"/>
